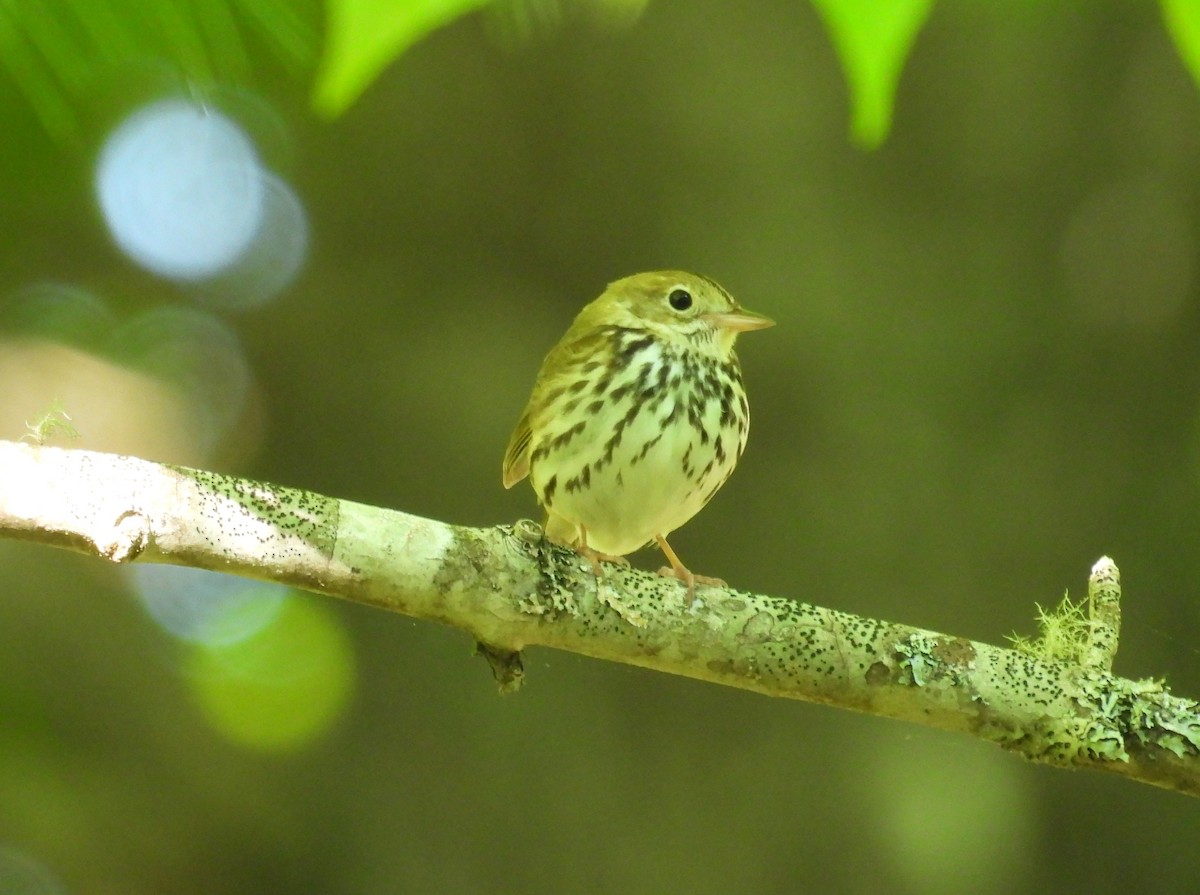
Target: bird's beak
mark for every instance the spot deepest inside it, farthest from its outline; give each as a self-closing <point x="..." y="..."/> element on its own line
<point x="739" y="321"/>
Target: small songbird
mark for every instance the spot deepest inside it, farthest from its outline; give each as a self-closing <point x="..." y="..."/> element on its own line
<point x="638" y="415"/>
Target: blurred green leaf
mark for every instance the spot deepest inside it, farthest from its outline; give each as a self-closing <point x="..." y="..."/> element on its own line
<point x="58" y="53"/>
<point x="873" y="38"/>
<point x="1182" y="18"/>
<point x="365" y="35"/>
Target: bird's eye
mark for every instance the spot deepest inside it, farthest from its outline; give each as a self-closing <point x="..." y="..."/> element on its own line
<point x="680" y="299"/>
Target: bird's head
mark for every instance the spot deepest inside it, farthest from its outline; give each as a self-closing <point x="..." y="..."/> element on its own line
<point x="682" y="309"/>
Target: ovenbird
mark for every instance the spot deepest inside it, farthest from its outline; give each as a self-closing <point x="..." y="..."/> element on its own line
<point x="638" y="415"/>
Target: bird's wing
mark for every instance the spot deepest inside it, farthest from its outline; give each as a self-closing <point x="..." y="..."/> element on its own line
<point x="576" y="348"/>
<point x="516" y="456"/>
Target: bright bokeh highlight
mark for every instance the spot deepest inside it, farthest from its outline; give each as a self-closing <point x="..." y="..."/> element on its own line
<point x="181" y="190"/>
<point x="271" y="261"/>
<point x="200" y="356"/>
<point x="282" y="688"/>
<point x="58" y="312"/>
<point x="924" y="836"/>
<point x="206" y="607"/>
<point x="185" y="194"/>
<point x="172" y="382"/>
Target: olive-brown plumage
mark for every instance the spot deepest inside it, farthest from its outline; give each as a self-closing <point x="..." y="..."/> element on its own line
<point x="638" y="415"/>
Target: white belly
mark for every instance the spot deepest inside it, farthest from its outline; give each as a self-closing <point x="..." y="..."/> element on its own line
<point x="656" y="477"/>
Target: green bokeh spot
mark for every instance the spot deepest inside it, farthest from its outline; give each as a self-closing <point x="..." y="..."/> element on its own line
<point x="283" y="687"/>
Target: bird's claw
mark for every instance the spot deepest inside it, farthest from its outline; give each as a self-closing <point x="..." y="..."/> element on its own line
<point x="691" y="579"/>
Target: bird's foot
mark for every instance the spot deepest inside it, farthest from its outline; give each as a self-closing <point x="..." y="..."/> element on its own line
<point x="691" y="579"/>
<point x="678" y="570"/>
<point x="575" y="538"/>
<point x="595" y="557"/>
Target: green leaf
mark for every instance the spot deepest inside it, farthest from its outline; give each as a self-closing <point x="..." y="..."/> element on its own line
<point x="873" y="38"/>
<point x="58" y="52"/>
<point x="1182" y="18"/>
<point x="365" y="35"/>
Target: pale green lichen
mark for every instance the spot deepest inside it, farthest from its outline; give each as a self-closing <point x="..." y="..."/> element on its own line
<point x="1158" y="718"/>
<point x="1064" y="633"/>
<point x="53" y="421"/>
<point x="1119" y="712"/>
<point x="554" y="596"/>
<point x="916" y="657"/>
<point x="927" y="657"/>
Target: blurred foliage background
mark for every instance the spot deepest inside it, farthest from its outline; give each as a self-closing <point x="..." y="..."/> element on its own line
<point x="985" y="375"/>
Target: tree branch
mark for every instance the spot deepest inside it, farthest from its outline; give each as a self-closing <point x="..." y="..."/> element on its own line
<point x="509" y="588"/>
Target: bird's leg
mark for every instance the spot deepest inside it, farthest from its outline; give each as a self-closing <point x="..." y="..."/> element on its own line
<point x="595" y="557"/>
<point x="574" y="537"/>
<point x="678" y="570"/>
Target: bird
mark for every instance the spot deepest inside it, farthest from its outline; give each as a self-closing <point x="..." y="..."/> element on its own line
<point x="636" y="417"/>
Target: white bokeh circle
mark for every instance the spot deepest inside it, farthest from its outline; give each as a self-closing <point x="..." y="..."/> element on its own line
<point x="181" y="189"/>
